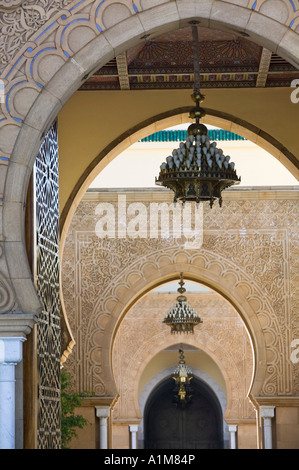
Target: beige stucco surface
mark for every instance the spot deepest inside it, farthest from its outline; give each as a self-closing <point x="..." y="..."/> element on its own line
<point x="248" y="258"/>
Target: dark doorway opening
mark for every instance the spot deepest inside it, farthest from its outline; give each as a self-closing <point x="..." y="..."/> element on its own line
<point x="198" y="425"/>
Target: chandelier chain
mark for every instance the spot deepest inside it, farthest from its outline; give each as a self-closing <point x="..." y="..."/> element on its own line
<point x="196" y="86"/>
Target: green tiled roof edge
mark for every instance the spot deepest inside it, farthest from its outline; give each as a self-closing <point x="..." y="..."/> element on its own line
<point x="180" y="135"/>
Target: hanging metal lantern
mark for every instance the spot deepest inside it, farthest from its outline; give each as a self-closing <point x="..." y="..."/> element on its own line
<point x="198" y="170"/>
<point x="182" y="377"/>
<point x="182" y="317"/>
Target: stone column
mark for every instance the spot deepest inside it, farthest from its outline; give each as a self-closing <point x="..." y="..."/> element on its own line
<point x="133" y="430"/>
<point x="103" y="413"/>
<point x="232" y="428"/>
<point x="267" y="413"/>
<point x="10" y="355"/>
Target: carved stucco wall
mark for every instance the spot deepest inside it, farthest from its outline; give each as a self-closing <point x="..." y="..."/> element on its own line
<point x="48" y="48"/>
<point x="35" y="21"/>
<point x="42" y="38"/>
<point x="249" y="255"/>
<point x="222" y="335"/>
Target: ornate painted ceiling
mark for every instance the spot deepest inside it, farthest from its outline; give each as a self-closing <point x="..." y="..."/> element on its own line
<point x="163" y="62"/>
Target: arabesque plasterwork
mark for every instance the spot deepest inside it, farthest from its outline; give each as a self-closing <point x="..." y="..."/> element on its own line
<point x="222" y="335"/>
<point x="49" y="49"/>
<point x="256" y="261"/>
<point x="20" y="19"/>
<point x="38" y="38"/>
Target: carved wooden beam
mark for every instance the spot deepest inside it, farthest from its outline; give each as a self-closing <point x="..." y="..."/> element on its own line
<point x="122" y="68"/>
<point x="263" y="68"/>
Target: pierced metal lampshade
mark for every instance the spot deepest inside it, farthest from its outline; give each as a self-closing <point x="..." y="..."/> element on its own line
<point x="182" y="377"/>
<point x="197" y="171"/>
<point x="182" y="317"/>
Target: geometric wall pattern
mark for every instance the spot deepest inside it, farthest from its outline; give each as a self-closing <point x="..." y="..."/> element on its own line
<point x="142" y="329"/>
<point x="41" y="37"/>
<point x="47" y="284"/>
<point x="250" y="246"/>
<point x="226" y="60"/>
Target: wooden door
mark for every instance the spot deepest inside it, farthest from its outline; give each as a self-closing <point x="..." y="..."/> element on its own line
<point x="198" y="425"/>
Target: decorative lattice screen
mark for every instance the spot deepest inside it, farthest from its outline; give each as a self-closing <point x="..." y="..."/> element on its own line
<point x="47" y="283"/>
